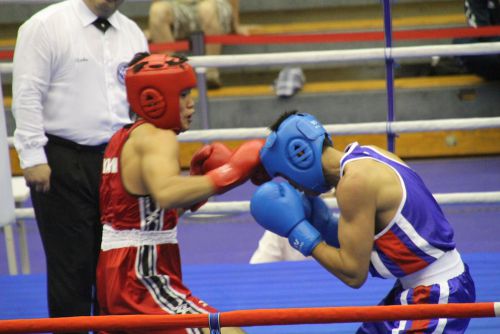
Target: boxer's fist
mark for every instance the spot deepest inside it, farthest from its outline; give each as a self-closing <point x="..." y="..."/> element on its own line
<point x="279" y="208"/>
<point x="238" y="169"/>
<point x="209" y="157"/>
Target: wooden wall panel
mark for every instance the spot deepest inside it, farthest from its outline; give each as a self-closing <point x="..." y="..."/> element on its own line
<point x="408" y="145"/>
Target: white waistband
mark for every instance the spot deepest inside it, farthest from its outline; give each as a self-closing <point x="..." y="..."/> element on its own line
<point x="448" y="266"/>
<point x="112" y="238"/>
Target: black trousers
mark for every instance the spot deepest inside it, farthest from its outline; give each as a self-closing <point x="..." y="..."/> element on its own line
<point x="69" y="222"/>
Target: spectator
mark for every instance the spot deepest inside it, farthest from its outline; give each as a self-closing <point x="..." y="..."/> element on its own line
<point x="481" y="13"/>
<point x="68" y="99"/>
<point x="171" y="20"/>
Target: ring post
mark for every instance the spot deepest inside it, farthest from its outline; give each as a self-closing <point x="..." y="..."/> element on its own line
<point x="197" y="46"/>
<point x="389" y="71"/>
<point x="7" y="207"/>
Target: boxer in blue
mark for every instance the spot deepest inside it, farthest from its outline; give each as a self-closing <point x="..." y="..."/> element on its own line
<point x="390" y="224"/>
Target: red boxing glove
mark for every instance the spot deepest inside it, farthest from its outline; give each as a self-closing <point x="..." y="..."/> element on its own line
<point x="241" y="165"/>
<point x="207" y="158"/>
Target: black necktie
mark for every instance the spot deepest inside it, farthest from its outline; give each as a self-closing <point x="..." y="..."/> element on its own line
<point x="101" y="24"/>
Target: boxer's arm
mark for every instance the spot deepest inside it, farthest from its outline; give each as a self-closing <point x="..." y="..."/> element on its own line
<point x="158" y="152"/>
<point x="160" y="170"/>
<point x="323" y="219"/>
<point x="350" y="263"/>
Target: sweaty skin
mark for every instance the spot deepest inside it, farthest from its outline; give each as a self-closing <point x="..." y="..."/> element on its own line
<point x="368" y="194"/>
<point x="150" y="164"/>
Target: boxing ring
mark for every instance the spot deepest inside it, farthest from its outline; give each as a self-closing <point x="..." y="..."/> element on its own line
<point x="244" y="287"/>
<point x="300" y="297"/>
<point x="256" y="318"/>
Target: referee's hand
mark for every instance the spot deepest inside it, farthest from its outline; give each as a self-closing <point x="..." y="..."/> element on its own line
<point x="38" y="177"/>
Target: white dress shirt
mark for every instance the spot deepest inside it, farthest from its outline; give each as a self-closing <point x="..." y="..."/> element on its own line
<point x="68" y="78"/>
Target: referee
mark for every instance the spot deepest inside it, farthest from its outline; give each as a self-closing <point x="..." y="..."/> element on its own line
<point x="68" y="99"/>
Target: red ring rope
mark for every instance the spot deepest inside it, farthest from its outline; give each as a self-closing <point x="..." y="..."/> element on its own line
<point x="260" y="317"/>
<point x="362" y="36"/>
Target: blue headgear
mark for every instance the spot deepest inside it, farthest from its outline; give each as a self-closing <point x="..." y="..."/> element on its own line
<point x="294" y="151"/>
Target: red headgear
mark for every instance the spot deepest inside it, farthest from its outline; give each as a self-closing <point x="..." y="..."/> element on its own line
<point x="154" y="85"/>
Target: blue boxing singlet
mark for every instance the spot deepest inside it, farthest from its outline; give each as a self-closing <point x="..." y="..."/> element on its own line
<point x="419" y="233"/>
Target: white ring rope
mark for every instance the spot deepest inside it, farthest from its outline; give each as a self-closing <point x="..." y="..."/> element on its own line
<point x="341" y="56"/>
<point x="451" y="198"/>
<point x="468" y="198"/>
<point x="333" y="56"/>
<point x="346" y="129"/>
<point x="354" y="128"/>
<point x="6" y="68"/>
<point x="244" y="206"/>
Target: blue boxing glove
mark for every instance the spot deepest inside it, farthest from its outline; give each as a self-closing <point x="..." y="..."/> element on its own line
<point x="326" y="222"/>
<point x="278" y="207"/>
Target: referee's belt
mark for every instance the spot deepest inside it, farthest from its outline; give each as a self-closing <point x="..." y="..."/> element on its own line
<point x="56" y="140"/>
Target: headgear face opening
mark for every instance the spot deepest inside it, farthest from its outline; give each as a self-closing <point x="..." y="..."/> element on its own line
<point x="294" y="151"/>
<point x="154" y="85"/>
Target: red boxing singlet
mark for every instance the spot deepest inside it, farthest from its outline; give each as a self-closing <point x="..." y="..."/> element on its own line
<point x="139" y="269"/>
